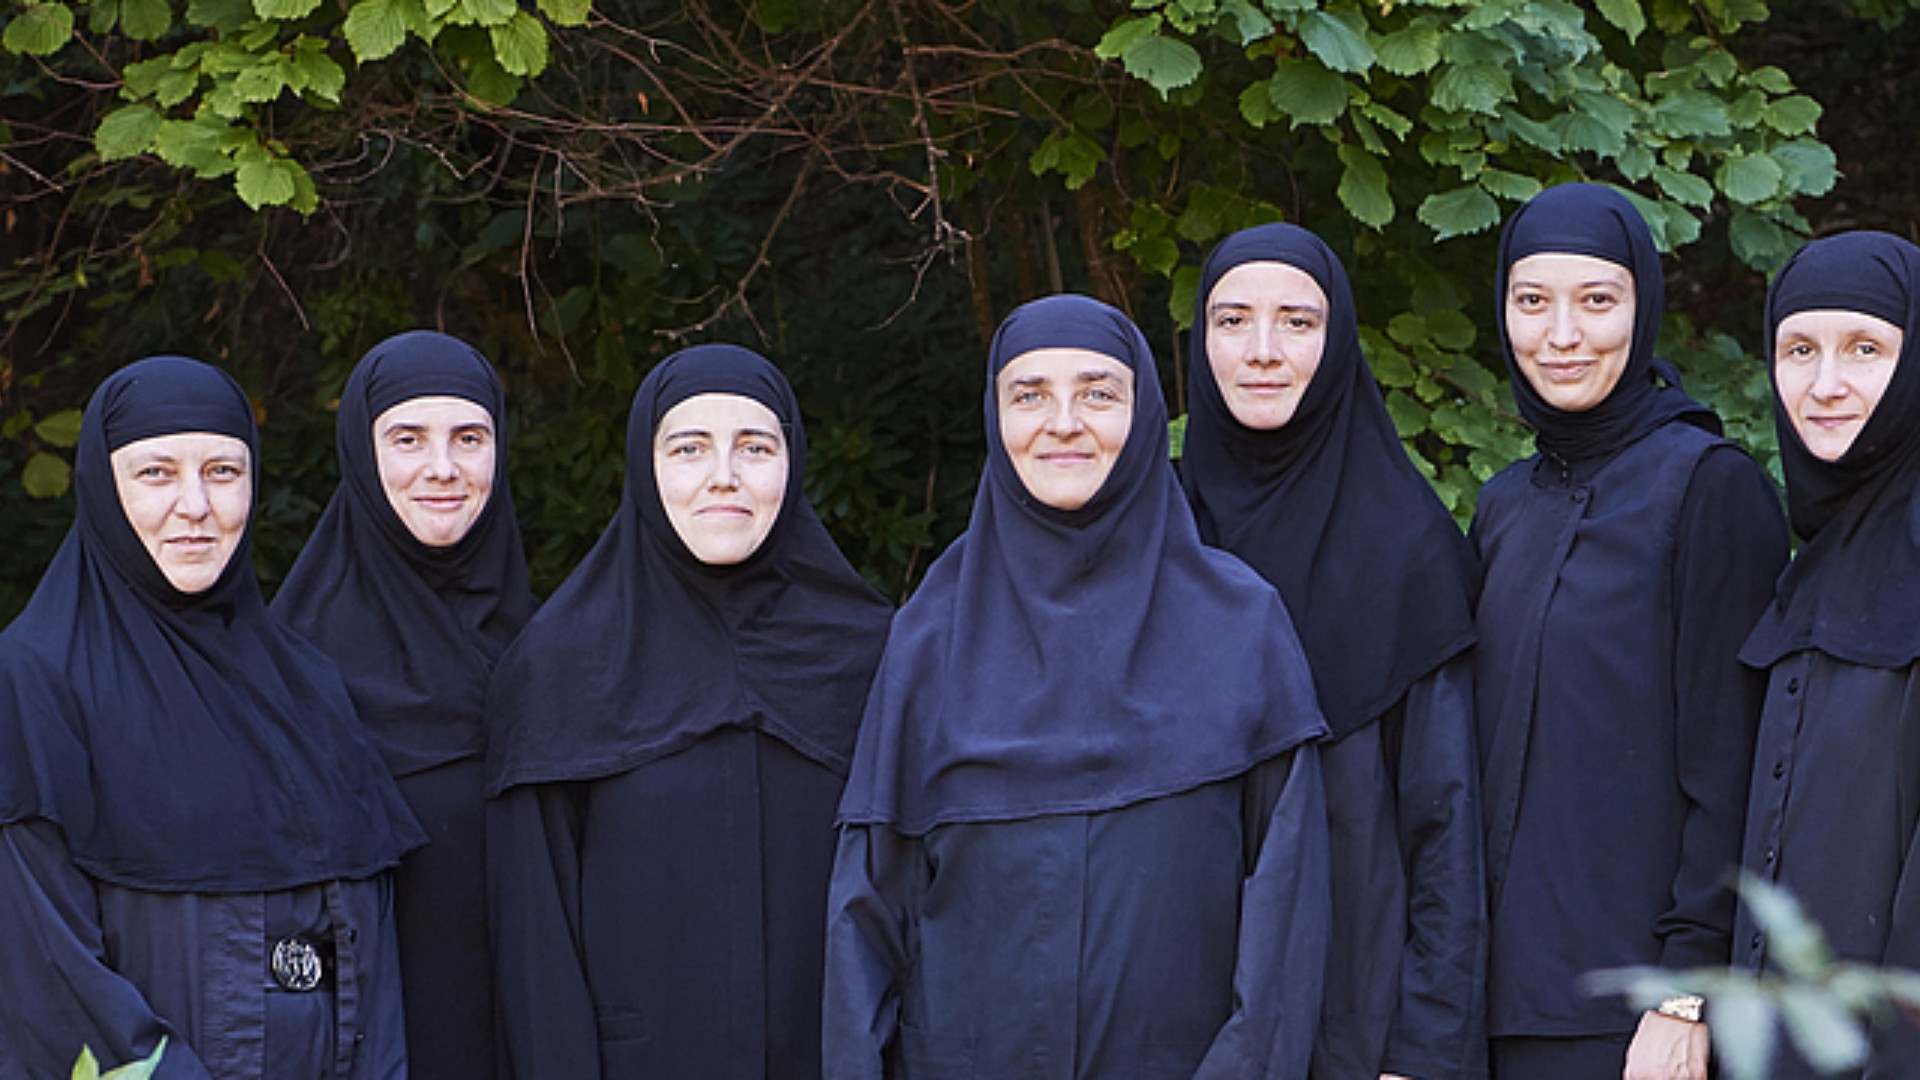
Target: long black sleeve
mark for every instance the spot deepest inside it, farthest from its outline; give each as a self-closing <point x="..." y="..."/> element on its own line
<point x="57" y="992"/>
<point x="1439" y="1030"/>
<point x="1730" y="549"/>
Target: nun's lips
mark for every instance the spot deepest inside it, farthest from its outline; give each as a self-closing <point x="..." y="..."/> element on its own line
<point x="441" y="503"/>
<point x="1265" y="386"/>
<point x="1834" y="421"/>
<point x="1066" y="458"/>
<point x="191" y="545"/>
<point x="734" y="510"/>
<point x="1567" y="370"/>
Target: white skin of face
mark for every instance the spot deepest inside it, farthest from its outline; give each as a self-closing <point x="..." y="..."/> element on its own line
<point x="1570" y="323"/>
<point x="187" y="497"/>
<point x="1064" y="417"/>
<point x="1830" y="369"/>
<point x="720" y="462"/>
<point x="1266" y="329"/>
<point x="436" y="464"/>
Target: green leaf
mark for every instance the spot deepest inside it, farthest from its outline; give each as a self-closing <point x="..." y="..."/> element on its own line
<point x="492" y="83"/>
<point x="1512" y="186"/>
<point x="38" y="30"/>
<point x="1459" y="212"/>
<point x="1531" y="131"/>
<point x="1069" y="153"/>
<point x="1256" y="104"/>
<point x="1749" y="178"/>
<point x="1126" y="34"/>
<point x="1307" y="91"/>
<point x="1451" y="329"/>
<point x="1409" y="330"/>
<point x="1690" y="114"/>
<point x="1186" y="287"/>
<point x="284" y="9"/>
<point x="1810" y="165"/>
<point x="227" y="16"/>
<point x="88" y="1066"/>
<point x="1156" y="254"/>
<point x="264" y="80"/>
<point x="1759" y="241"/>
<point x="126" y="131"/>
<point x="776" y="15"/>
<point x="375" y="28"/>
<point x="265" y="180"/>
<point x="1339" y="39"/>
<point x="1625" y="14"/>
<point x="1635" y="161"/>
<point x="1163" y="62"/>
<point x="60" y="429"/>
<point x="205" y="145"/>
<point x="1795" y="115"/>
<point x="1410" y="50"/>
<point x="45" y="477"/>
<point x="1772" y="80"/>
<point x="1683" y="186"/>
<point x="1387" y="118"/>
<point x="520" y="44"/>
<point x="485" y="13"/>
<point x="1363" y="187"/>
<point x="1477" y="88"/>
<point x="567" y="12"/>
<point x="145" y="20"/>
<point x="1824" y="1033"/>
<point x="319" y="74"/>
<point x="1250" y="21"/>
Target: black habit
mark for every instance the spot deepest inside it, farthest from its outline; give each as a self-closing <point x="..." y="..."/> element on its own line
<point x="1624" y="563"/>
<point x="185" y="794"/>
<point x="1084" y="834"/>
<point x="1836" y="776"/>
<point x="415" y="631"/>
<point x="1380" y="584"/>
<point x="667" y="743"/>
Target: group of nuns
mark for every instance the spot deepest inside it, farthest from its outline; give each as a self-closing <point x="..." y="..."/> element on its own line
<point x="1258" y="770"/>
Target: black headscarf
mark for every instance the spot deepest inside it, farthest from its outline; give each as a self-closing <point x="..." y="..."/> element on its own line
<point x="181" y="742"/>
<point x="1587" y="219"/>
<point x="1379" y="579"/>
<point x="1853" y="591"/>
<point x="1060" y="661"/>
<point x="645" y="649"/>
<point x="415" y="629"/>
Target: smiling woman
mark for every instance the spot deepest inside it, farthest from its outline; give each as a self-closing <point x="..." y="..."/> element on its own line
<point x="436" y="464"/>
<point x="721" y="463"/>
<point x="1064" y="416"/>
<point x="195" y="831"/>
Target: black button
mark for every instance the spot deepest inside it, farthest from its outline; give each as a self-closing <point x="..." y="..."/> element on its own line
<point x="1756" y="939"/>
<point x="1793" y="686"/>
<point x="1770" y="856"/>
<point x="1779" y="769"/>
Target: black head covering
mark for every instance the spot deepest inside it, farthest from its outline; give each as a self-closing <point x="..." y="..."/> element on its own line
<point x="415" y="629"/>
<point x="1061" y="661"/>
<point x="1587" y="219"/>
<point x="645" y="649"/>
<point x="1853" y="591"/>
<point x="181" y="742"/>
<point x="1379" y="579"/>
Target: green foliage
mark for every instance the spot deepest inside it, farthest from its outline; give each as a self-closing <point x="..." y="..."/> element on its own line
<point x="1820" y="1003"/>
<point x="88" y="1066"/>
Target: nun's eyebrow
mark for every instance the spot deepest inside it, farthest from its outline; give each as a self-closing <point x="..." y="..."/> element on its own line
<point x="1242" y="305"/>
<point x="703" y="433"/>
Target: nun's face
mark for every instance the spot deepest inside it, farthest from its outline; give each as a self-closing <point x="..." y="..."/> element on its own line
<point x="1831" y="368"/>
<point x="187" y="498"/>
<point x="1266" y="329"/>
<point x="720" y="462"/>
<point x="436" y="464"/>
<point x="1570" y="323"/>
<point x="1064" y="418"/>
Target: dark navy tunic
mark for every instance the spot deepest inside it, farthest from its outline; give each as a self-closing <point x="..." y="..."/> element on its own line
<point x="1616" y="723"/>
<point x="117" y="969"/>
<point x="1836" y="794"/>
<point x="1180" y="937"/>
<point x="668" y="920"/>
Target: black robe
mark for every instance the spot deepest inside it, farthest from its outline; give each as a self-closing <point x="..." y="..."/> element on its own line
<point x="192" y="967"/>
<point x="1180" y="937"/>
<point x="1616" y="722"/>
<point x="1836" y="796"/>
<point x="667" y="920"/>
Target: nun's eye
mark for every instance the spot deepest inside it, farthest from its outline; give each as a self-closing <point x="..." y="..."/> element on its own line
<point x="1229" y="321"/>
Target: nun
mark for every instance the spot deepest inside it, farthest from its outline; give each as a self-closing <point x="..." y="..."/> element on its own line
<point x="1085" y="833"/>
<point x="667" y="744"/>
<point x="1836" y="778"/>
<point x="1625" y="561"/>
<point x="414" y="582"/>
<point x="196" y="834"/>
<point x="1292" y="463"/>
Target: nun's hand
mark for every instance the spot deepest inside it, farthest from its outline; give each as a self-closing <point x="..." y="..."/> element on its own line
<point x="1668" y="1049"/>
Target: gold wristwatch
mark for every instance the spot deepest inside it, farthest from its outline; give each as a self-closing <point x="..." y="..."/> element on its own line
<point x="1682" y="1007"/>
